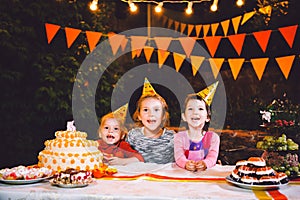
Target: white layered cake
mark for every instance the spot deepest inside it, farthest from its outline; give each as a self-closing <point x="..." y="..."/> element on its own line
<point x="70" y="149"/>
<point x="255" y="172"/>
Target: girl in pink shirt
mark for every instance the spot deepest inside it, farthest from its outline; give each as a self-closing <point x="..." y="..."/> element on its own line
<point x="196" y="148"/>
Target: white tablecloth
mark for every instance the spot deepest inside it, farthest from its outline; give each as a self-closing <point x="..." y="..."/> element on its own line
<point x="181" y="184"/>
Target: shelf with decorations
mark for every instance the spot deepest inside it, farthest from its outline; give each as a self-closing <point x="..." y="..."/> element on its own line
<point x="281" y="146"/>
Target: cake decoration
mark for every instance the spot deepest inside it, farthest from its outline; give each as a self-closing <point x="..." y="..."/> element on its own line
<point x="70" y="149"/>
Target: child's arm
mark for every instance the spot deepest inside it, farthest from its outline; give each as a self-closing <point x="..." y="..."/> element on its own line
<point x="180" y="158"/>
<point x="212" y="156"/>
<point x="122" y="161"/>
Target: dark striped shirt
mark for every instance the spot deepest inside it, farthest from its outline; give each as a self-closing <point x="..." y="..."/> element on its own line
<point x="155" y="150"/>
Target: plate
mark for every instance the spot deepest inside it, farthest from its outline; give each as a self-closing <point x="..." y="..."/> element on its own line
<point x="254" y="187"/>
<point x="68" y="185"/>
<point x="22" y="182"/>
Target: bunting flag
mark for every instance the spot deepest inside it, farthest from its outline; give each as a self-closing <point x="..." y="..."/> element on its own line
<point x="148" y="51"/>
<point x="214" y="28"/>
<point x="187" y="44"/>
<point x="196" y="62"/>
<point x="212" y="44"/>
<point x="124" y="43"/>
<point x="163" y="43"/>
<point x="235" y="23"/>
<point x="247" y="16"/>
<point x="205" y="29"/>
<point x="262" y="38"/>
<point x="71" y="35"/>
<point x="170" y="22"/>
<point x="216" y="64"/>
<point x="259" y="66"/>
<point x="176" y="25"/>
<point x="164" y="20"/>
<point x="115" y="41"/>
<point x="137" y="45"/>
<point x="178" y="60"/>
<point x="237" y="42"/>
<point x="92" y="38"/>
<point x="289" y="33"/>
<point x="162" y="57"/>
<point x="225" y="26"/>
<point x="198" y="29"/>
<point x="51" y="30"/>
<point x="190" y="29"/>
<point x="235" y="66"/>
<point x="285" y="64"/>
<point x="182" y="27"/>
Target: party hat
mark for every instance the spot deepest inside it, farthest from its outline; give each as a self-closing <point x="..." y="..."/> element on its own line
<point x="148" y="89"/>
<point x="208" y="93"/>
<point x="121" y="112"/>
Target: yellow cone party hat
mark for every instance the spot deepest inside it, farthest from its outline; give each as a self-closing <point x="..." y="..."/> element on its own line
<point x="208" y="93"/>
<point x="121" y="112"/>
<point x="148" y="89"/>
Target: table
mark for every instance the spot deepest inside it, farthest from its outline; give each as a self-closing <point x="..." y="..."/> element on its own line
<point x="152" y="181"/>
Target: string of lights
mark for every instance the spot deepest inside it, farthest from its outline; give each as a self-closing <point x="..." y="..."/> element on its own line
<point x="159" y="4"/>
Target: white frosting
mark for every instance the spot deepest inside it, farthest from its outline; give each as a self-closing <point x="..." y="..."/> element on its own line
<point x="264" y="171"/>
<point x="70" y="149"/>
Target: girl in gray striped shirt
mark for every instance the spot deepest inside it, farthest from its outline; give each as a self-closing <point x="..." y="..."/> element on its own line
<point x="151" y="138"/>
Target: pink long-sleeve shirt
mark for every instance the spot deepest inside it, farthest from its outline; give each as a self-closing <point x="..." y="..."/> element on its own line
<point x="210" y="150"/>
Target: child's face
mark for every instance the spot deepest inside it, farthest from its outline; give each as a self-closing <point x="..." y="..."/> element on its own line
<point x="195" y="113"/>
<point x="151" y="114"/>
<point x="110" y="131"/>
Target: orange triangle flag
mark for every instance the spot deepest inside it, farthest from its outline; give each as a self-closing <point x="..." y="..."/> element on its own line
<point x="236" y="22"/>
<point x="198" y="29"/>
<point x="178" y="60"/>
<point x="170" y="22"/>
<point x="137" y="44"/>
<point x="123" y="44"/>
<point x="162" y="43"/>
<point x="259" y="66"/>
<point x="289" y="33"/>
<point x="176" y="25"/>
<point x="235" y="66"/>
<point x="187" y="44"/>
<point x="148" y="52"/>
<point x="285" y="63"/>
<point x="205" y="29"/>
<point x="71" y="35"/>
<point x="216" y="64"/>
<point x="162" y="56"/>
<point x="247" y="16"/>
<point x="93" y="38"/>
<point x="237" y="42"/>
<point x="225" y="26"/>
<point x="214" y="28"/>
<point x="164" y="20"/>
<point x="51" y="30"/>
<point x="196" y="62"/>
<point x="262" y="37"/>
<point x="212" y="44"/>
<point x="115" y="41"/>
<point x="182" y="27"/>
<point x="190" y="29"/>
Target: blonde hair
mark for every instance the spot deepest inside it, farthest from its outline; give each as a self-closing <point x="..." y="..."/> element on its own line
<point x="165" y="119"/>
<point x="120" y="122"/>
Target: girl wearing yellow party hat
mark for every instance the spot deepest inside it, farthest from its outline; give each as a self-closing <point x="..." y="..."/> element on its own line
<point x="197" y="148"/>
<point x="150" y="137"/>
<point x="112" y="144"/>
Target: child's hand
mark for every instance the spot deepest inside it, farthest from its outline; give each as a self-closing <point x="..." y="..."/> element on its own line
<point x="190" y="165"/>
<point x="116" y="161"/>
<point x="200" y="165"/>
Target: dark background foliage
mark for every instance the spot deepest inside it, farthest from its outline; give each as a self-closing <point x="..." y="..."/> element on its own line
<point x="36" y="78"/>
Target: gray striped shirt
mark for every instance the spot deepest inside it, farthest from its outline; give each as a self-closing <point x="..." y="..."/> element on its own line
<point x="154" y="150"/>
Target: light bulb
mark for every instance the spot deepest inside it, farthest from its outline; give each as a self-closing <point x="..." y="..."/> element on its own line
<point x="132" y="7"/>
<point x="189" y="9"/>
<point x="158" y="8"/>
<point x="240" y="3"/>
<point x="94" y="5"/>
<point x="214" y="6"/>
